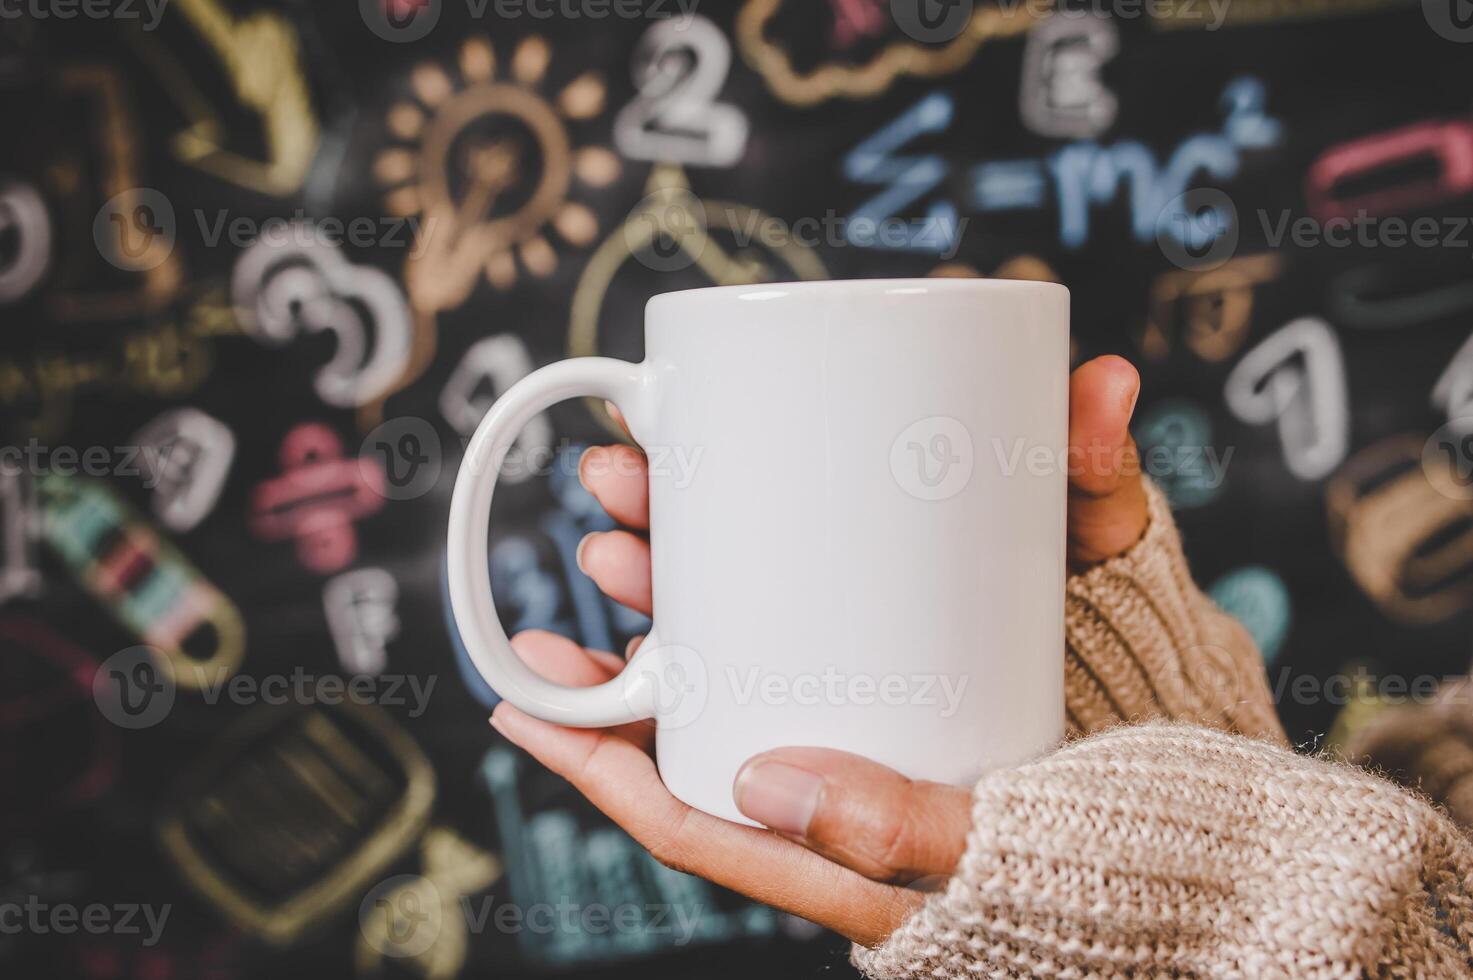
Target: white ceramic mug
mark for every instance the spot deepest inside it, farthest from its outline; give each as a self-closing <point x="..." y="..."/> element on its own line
<point x="857" y="496"/>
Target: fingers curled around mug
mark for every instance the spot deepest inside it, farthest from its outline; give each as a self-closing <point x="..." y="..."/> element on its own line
<point x="856" y="812"/>
<point x="619" y="564"/>
<point x="562" y="661"/>
<point x="623" y="782"/>
<point x="618" y="477"/>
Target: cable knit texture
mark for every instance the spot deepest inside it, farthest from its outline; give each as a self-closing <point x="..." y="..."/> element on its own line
<point x="1428" y="747"/>
<point x="1168" y="850"/>
<point x="1182" y="848"/>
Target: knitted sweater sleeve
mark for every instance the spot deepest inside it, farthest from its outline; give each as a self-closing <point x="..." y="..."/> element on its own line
<point x="1180" y="847"/>
<point x="1172" y="850"/>
<point x="1143" y="642"/>
<point x="1425" y="745"/>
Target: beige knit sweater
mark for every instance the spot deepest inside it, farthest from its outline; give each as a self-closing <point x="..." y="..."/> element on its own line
<point x="1176" y="848"/>
<point x="1426" y="745"/>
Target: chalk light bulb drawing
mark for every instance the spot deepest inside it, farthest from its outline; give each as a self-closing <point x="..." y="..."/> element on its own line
<point x="488" y="162"/>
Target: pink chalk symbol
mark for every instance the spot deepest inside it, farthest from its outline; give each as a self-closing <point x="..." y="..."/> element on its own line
<point x="1391" y="154"/>
<point x="317" y="498"/>
<point x="856" y="19"/>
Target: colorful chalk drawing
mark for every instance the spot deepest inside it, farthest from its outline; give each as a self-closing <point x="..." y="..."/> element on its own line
<point x="679" y="68"/>
<point x="419" y="920"/>
<point x="1079" y="177"/>
<point x="1258" y="598"/>
<point x="23" y="218"/>
<point x="485" y="371"/>
<point x="318" y="497"/>
<point x="50" y="698"/>
<point x="1061" y="93"/>
<point x="490" y="164"/>
<point x="147" y="585"/>
<point x="1392" y="155"/>
<point x="905" y="179"/>
<point x="289" y="815"/>
<point x="1295" y="378"/>
<point x="20" y="535"/>
<point x="360" y="610"/>
<point x="514" y="190"/>
<point x="875" y="75"/>
<point x="1386" y="297"/>
<point x="1407" y="543"/>
<point x="297" y="284"/>
<point x="1179" y="433"/>
<point x="260" y="55"/>
<point x="187" y="456"/>
<point x="551" y="859"/>
<point x="669" y="229"/>
<point x="1211" y="310"/>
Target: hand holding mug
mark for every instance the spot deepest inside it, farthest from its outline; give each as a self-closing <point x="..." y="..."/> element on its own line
<point x="862" y="546"/>
<point x="847" y="833"/>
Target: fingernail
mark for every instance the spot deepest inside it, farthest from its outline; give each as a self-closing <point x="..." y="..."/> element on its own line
<point x="1130" y="399"/>
<point x="578" y="555"/>
<point x="778" y="795"/>
<point x="582" y="462"/>
<point x="496" y="722"/>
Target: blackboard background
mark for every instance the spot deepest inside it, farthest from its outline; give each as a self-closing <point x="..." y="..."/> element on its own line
<point x="1328" y="79"/>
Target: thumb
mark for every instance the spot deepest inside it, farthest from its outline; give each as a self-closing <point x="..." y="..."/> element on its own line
<point x="1107" y="498"/>
<point x="856" y="812"/>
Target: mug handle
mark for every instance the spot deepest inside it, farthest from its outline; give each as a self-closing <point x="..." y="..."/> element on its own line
<point x="632" y="695"/>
